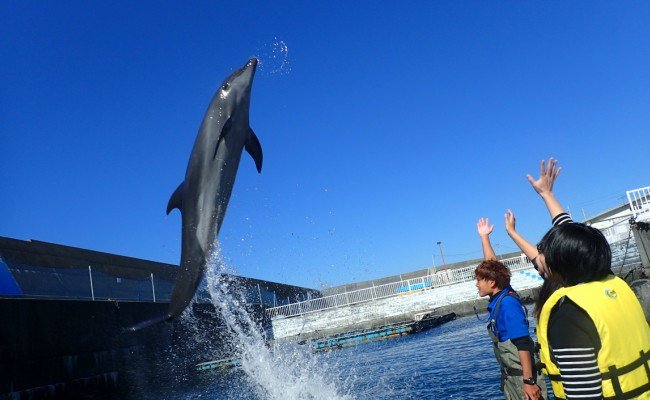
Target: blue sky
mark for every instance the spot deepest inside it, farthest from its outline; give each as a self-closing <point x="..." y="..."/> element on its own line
<point x="385" y="126"/>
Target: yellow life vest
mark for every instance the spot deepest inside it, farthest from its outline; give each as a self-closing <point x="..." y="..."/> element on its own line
<point x="624" y="358"/>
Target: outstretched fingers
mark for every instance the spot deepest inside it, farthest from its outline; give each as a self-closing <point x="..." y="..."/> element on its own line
<point x="552" y="172"/>
<point x="483" y="227"/>
<point x="548" y="173"/>
<point x="531" y="180"/>
<point x="509" y="220"/>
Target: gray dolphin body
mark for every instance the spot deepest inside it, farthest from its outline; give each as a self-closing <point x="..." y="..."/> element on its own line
<point x="203" y="196"/>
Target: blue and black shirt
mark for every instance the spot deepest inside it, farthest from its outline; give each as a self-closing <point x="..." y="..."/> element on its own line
<point x="511" y="321"/>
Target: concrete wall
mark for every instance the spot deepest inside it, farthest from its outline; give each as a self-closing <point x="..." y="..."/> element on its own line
<point x="357" y="316"/>
<point x="67" y="349"/>
<point x="71" y="349"/>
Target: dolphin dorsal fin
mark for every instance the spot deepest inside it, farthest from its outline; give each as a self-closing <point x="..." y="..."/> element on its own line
<point x="254" y="148"/>
<point x="176" y="201"/>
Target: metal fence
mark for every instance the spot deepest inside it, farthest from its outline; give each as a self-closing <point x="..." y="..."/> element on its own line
<point x="639" y="200"/>
<point x="438" y="279"/>
<point x="89" y="283"/>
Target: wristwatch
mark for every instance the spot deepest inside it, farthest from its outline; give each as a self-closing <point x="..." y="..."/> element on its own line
<point x="530" y="381"/>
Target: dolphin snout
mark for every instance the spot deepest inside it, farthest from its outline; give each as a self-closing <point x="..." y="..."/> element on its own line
<point x="252" y="64"/>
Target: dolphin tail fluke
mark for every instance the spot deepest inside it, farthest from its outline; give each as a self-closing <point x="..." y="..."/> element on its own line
<point x="254" y="148"/>
<point x="176" y="201"/>
<point x="146" y="324"/>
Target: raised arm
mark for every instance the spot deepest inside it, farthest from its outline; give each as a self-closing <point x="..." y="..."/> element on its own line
<point x="526" y="247"/>
<point x="548" y="173"/>
<point x="484" y="229"/>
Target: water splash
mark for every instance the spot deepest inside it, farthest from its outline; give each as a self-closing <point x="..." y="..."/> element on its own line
<point x="275" y="57"/>
<point x="288" y="371"/>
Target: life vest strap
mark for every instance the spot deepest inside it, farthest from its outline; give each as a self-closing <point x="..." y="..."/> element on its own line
<point x="552" y="377"/>
<point x="614" y="373"/>
<point x="629" y="395"/>
<point x="643" y="359"/>
<point x="616" y="384"/>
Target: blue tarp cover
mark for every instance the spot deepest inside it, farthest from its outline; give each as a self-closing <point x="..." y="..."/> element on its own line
<point x="8" y="285"/>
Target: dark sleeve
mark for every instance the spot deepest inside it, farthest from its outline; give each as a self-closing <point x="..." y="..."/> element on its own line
<point x="523" y="343"/>
<point x="574" y="343"/>
<point x="562" y="218"/>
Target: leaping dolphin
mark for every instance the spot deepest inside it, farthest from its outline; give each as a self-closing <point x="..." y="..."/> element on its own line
<point x="203" y="196"/>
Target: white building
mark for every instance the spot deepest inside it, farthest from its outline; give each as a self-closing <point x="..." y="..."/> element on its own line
<point x="615" y="225"/>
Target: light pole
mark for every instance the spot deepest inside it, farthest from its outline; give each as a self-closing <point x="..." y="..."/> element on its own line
<point x="432" y="270"/>
<point x="444" y="264"/>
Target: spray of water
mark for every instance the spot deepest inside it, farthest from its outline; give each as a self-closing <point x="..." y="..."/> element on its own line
<point x="287" y="371"/>
<point x="275" y="57"/>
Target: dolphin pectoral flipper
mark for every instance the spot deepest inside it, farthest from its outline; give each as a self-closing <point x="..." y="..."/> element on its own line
<point x="254" y="148"/>
<point x="176" y="201"/>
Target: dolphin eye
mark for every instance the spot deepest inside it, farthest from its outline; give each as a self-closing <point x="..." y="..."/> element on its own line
<point x="226" y="86"/>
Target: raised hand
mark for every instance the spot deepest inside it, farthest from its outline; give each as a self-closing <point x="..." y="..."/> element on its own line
<point x="483" y="227"/>
<point x="548" y="173"/>
<point x="510" y="221"/>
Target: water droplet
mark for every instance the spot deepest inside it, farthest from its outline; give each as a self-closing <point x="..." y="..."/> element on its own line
<point x="275" y="57"/>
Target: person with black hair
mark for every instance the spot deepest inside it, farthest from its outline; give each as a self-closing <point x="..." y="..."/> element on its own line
<point x="508" y="325"/>
<point x="594" y="338"/>
<point x="593" y="335"/>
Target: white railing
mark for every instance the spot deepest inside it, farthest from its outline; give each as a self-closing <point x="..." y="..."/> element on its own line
<point x="639" y="200"/>
<point x="438" y="279"/>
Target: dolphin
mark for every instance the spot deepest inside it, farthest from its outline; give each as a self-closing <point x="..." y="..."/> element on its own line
<point x="203" y="196"/>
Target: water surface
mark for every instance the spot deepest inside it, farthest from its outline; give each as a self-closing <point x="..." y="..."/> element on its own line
<point x="452" y="361"/>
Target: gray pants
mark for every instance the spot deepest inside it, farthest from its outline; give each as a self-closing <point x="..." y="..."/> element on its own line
<point x="513" y="385"/>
